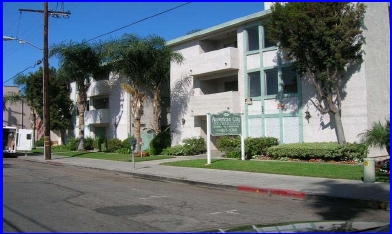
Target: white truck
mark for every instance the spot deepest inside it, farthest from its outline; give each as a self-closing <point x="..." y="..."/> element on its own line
<point x="15" y="139"/>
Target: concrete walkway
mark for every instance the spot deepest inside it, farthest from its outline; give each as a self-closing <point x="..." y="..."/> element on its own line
<point x="376" y="195"/>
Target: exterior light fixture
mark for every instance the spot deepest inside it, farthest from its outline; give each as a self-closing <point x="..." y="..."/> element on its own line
<point x="307" y="116"/>
<point x="183" y="121"/>
<point x="248" y="101"/>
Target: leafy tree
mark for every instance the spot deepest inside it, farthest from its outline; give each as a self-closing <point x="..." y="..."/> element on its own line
<point x="78" y="62"/>
<point x="323" y="40"/>
<point x="160" y="73"/>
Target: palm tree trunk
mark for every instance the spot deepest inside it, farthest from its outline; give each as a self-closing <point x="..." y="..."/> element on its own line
<point x="137" y="112"/>
<point x="81" y="108"/>
<point x="157" y="111"/>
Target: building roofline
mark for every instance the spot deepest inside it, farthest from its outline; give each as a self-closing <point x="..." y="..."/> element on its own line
<point x="213" y="29"/>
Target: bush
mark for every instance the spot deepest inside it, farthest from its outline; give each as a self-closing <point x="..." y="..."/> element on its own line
<point x="97" y="143"/>
<point x="40" y="142"/>
<point x="73" y="144"/>
<point x="377" y="136"/>
<point x="174" y="151"/>
<point x="123" y="151"/>
<point x="161" y="141"/>
<point x="195" y="145"/>
<point x="113" y="145"/>
<point x="231" y="146"/>
<point x="88" y="143"/>
<point x="126" y="143"/>
<point x="318" y="150"/>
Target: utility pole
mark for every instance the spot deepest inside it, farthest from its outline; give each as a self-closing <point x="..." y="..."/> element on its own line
<point x="46" y="119"/>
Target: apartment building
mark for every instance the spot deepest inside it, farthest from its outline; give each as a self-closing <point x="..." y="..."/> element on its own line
<point x="108" y="112"/>
<point x="16" y="114"/>
<point x="234" y="67"/>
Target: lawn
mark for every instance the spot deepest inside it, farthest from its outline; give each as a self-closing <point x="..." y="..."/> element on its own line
<point x="324" y="170"/>
<point x="101" y="155"/>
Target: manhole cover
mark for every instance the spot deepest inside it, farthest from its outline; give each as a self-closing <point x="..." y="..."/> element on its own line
<point x="125" y="210"/>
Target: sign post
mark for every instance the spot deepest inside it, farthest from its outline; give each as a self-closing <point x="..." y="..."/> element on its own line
<point x="222" y="124"/>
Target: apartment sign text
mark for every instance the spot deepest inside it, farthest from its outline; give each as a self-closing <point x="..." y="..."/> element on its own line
<point x="225" y="123"/>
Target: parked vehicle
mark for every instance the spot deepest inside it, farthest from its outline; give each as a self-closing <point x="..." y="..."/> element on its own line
<point x="15" y="139"/>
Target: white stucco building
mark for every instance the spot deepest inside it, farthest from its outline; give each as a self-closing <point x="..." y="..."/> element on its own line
<point x="108" y="112"/>
<point x="231" y="62"/>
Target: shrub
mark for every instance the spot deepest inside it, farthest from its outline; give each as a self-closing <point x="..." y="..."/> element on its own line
<point x="40" y="142"/>
<point x="318" y="150"/>
<point x="161" y="141"/>
<point x="123" y="151"/>
<point x="73" y="144"/>
<point x="173" y="151"/>
<point x="377" y="136"/>
<point x="88" y="143"/>
<point x="231" y="146"/>
<point x="195" y="145"/>
<point x="60" y="148"/>
<point x="259" y="146"/>
<point x="97" y="143"/>
<point x="126" y="143"/>
<point x="113" y="145"/>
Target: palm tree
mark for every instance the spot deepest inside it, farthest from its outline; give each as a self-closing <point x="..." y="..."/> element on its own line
<point x="78" y="62"/>
<point x="132" y="58"/>
<point x="377" y="136"/>
<point x="160" y="73"/>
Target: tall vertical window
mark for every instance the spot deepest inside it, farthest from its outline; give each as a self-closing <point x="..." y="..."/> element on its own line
<point x="266" y="42"/>
<point x="254" y="84"/>
<point x="271" y="82"/>
<point x="253" y="38"/>
<point x="289" y="78"/>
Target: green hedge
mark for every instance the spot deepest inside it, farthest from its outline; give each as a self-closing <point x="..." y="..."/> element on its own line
<point x="161" y="141"/>
<point x="191" y="146"/>
<point x="322" y="150"/>
<point x="231" y="146"/>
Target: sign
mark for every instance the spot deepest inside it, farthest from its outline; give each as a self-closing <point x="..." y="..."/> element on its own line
<point x="225" y="123"/>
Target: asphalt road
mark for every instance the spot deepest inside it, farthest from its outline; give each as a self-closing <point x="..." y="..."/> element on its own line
<point x="48" y="198"/>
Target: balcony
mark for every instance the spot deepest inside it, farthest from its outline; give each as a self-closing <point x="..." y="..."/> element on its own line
<point x="97" y="116"/>
<point x="215" y="61"/>
<point x="215" y="103"/>
<point x="97" y="88"/>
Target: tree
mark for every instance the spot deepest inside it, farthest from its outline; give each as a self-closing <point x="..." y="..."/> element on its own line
<point x="31" y="93"/>
<point x="130" y="57"/>
<point x="78" y="62"/>
<point x="160" y="73"/>
<point x="324" y="41"/>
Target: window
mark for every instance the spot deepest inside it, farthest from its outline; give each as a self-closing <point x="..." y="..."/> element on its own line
<point x="271" y="82"/>
<point x="232" y="44"/>
<point x="267" y="43"/>
<point x="253" y="38"/>
<point x="289" y="78"/>
<point x="28" y="136"/>
<point x="254" y="84"/>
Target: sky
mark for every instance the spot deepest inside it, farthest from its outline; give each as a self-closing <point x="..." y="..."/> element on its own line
<point x="92" y="19"/>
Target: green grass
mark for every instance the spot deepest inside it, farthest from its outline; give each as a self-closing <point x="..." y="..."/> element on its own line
<point x="102" y="155"/>
<point x="324" y="170"/>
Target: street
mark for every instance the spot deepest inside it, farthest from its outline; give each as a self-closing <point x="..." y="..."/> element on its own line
<point x="41" y="197"/>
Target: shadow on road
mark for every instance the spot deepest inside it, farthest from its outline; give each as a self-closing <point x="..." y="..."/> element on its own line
<point x="373" y="197"/>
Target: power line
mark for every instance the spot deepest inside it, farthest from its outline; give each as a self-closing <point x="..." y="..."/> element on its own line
<point x="36" y="63"/>
<point x="136" y="22"/>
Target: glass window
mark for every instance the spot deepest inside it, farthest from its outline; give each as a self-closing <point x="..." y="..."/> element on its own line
<point x="289" y="78"/>
<point x="267" y="42"/>
<point x="254" y="84"/>
<point x="28" y="136"/>
<point x="231" y="86"/>
<point x="253" y="38"/>
<point x="271" y="82"/>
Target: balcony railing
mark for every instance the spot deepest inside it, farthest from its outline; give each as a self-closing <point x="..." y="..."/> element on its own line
<point x="100" y="87"/>
<point x="97" y="116"/>
<point x="215" y="103"/>
<point x="215" y="61"/>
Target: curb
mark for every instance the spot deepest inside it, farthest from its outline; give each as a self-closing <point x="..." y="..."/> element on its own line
<point x="382" y="205"/>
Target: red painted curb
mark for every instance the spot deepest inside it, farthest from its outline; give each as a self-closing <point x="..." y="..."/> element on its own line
<point x="278" y="192"/>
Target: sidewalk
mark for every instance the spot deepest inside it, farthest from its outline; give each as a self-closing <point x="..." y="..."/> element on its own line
<point x="375" y="195"/>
